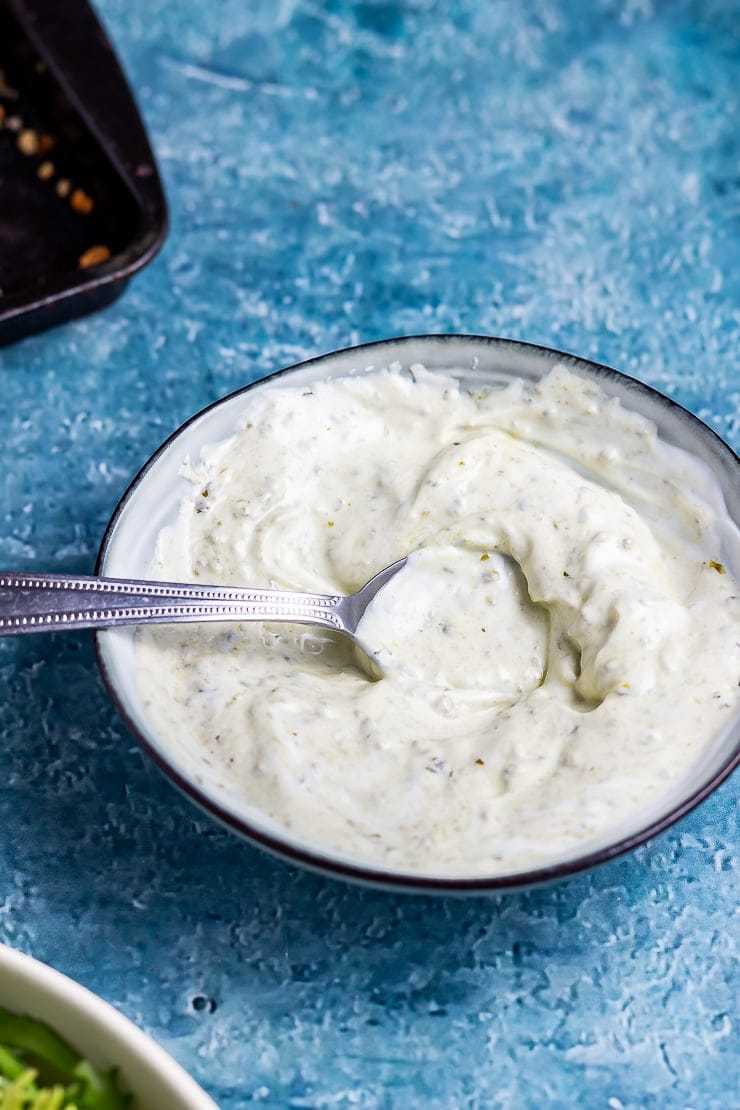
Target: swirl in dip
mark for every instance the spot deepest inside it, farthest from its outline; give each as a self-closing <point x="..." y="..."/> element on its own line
<point x="560" y="649"/>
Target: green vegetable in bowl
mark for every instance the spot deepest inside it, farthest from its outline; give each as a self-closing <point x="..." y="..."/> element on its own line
<point x="40" y="1071"/>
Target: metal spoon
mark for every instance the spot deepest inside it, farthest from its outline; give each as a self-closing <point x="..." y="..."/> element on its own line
<point x="49" y="602"/>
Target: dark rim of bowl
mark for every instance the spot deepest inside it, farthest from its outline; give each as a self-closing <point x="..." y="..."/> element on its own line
<point x="326" y="864"/>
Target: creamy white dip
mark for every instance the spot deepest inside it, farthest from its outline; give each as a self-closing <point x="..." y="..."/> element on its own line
<point x="561" y="647"/>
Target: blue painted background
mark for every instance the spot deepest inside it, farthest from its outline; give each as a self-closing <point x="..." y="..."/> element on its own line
<point x="562" y="172"/>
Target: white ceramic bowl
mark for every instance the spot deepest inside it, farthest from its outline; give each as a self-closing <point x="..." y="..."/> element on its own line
<point x="153" y="499"/>
<point x="98" y="1032"/>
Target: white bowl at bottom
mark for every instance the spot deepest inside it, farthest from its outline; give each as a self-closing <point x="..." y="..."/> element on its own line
<point x="98" y="1032"/>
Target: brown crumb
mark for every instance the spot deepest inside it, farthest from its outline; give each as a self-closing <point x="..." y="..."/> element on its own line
<point x="45" y="171"/>
<point x="480" y="762"/>
<point x="2" y="113"/>
<point x="93" y="256"/>
<point x="63" y="187"/>
<point x="81" y="202"/>
<point x="46" y="143"/>
<point x="28" y="141"/>
<point x="716" y="566"/>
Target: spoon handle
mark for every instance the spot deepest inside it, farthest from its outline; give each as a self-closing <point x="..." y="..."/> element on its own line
<point x="48" y="602"/>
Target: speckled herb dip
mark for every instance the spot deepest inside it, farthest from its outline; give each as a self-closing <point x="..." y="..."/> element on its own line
<point x="560" y="649"/>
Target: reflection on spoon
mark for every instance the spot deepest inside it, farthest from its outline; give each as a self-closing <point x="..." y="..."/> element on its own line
<point x="50" y="602"/>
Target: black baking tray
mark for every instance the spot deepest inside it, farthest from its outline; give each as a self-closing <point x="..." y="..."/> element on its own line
<point x="82" y="206"/>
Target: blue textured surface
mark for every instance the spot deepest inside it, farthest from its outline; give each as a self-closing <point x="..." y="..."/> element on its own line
<point x="338" y="172"/>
